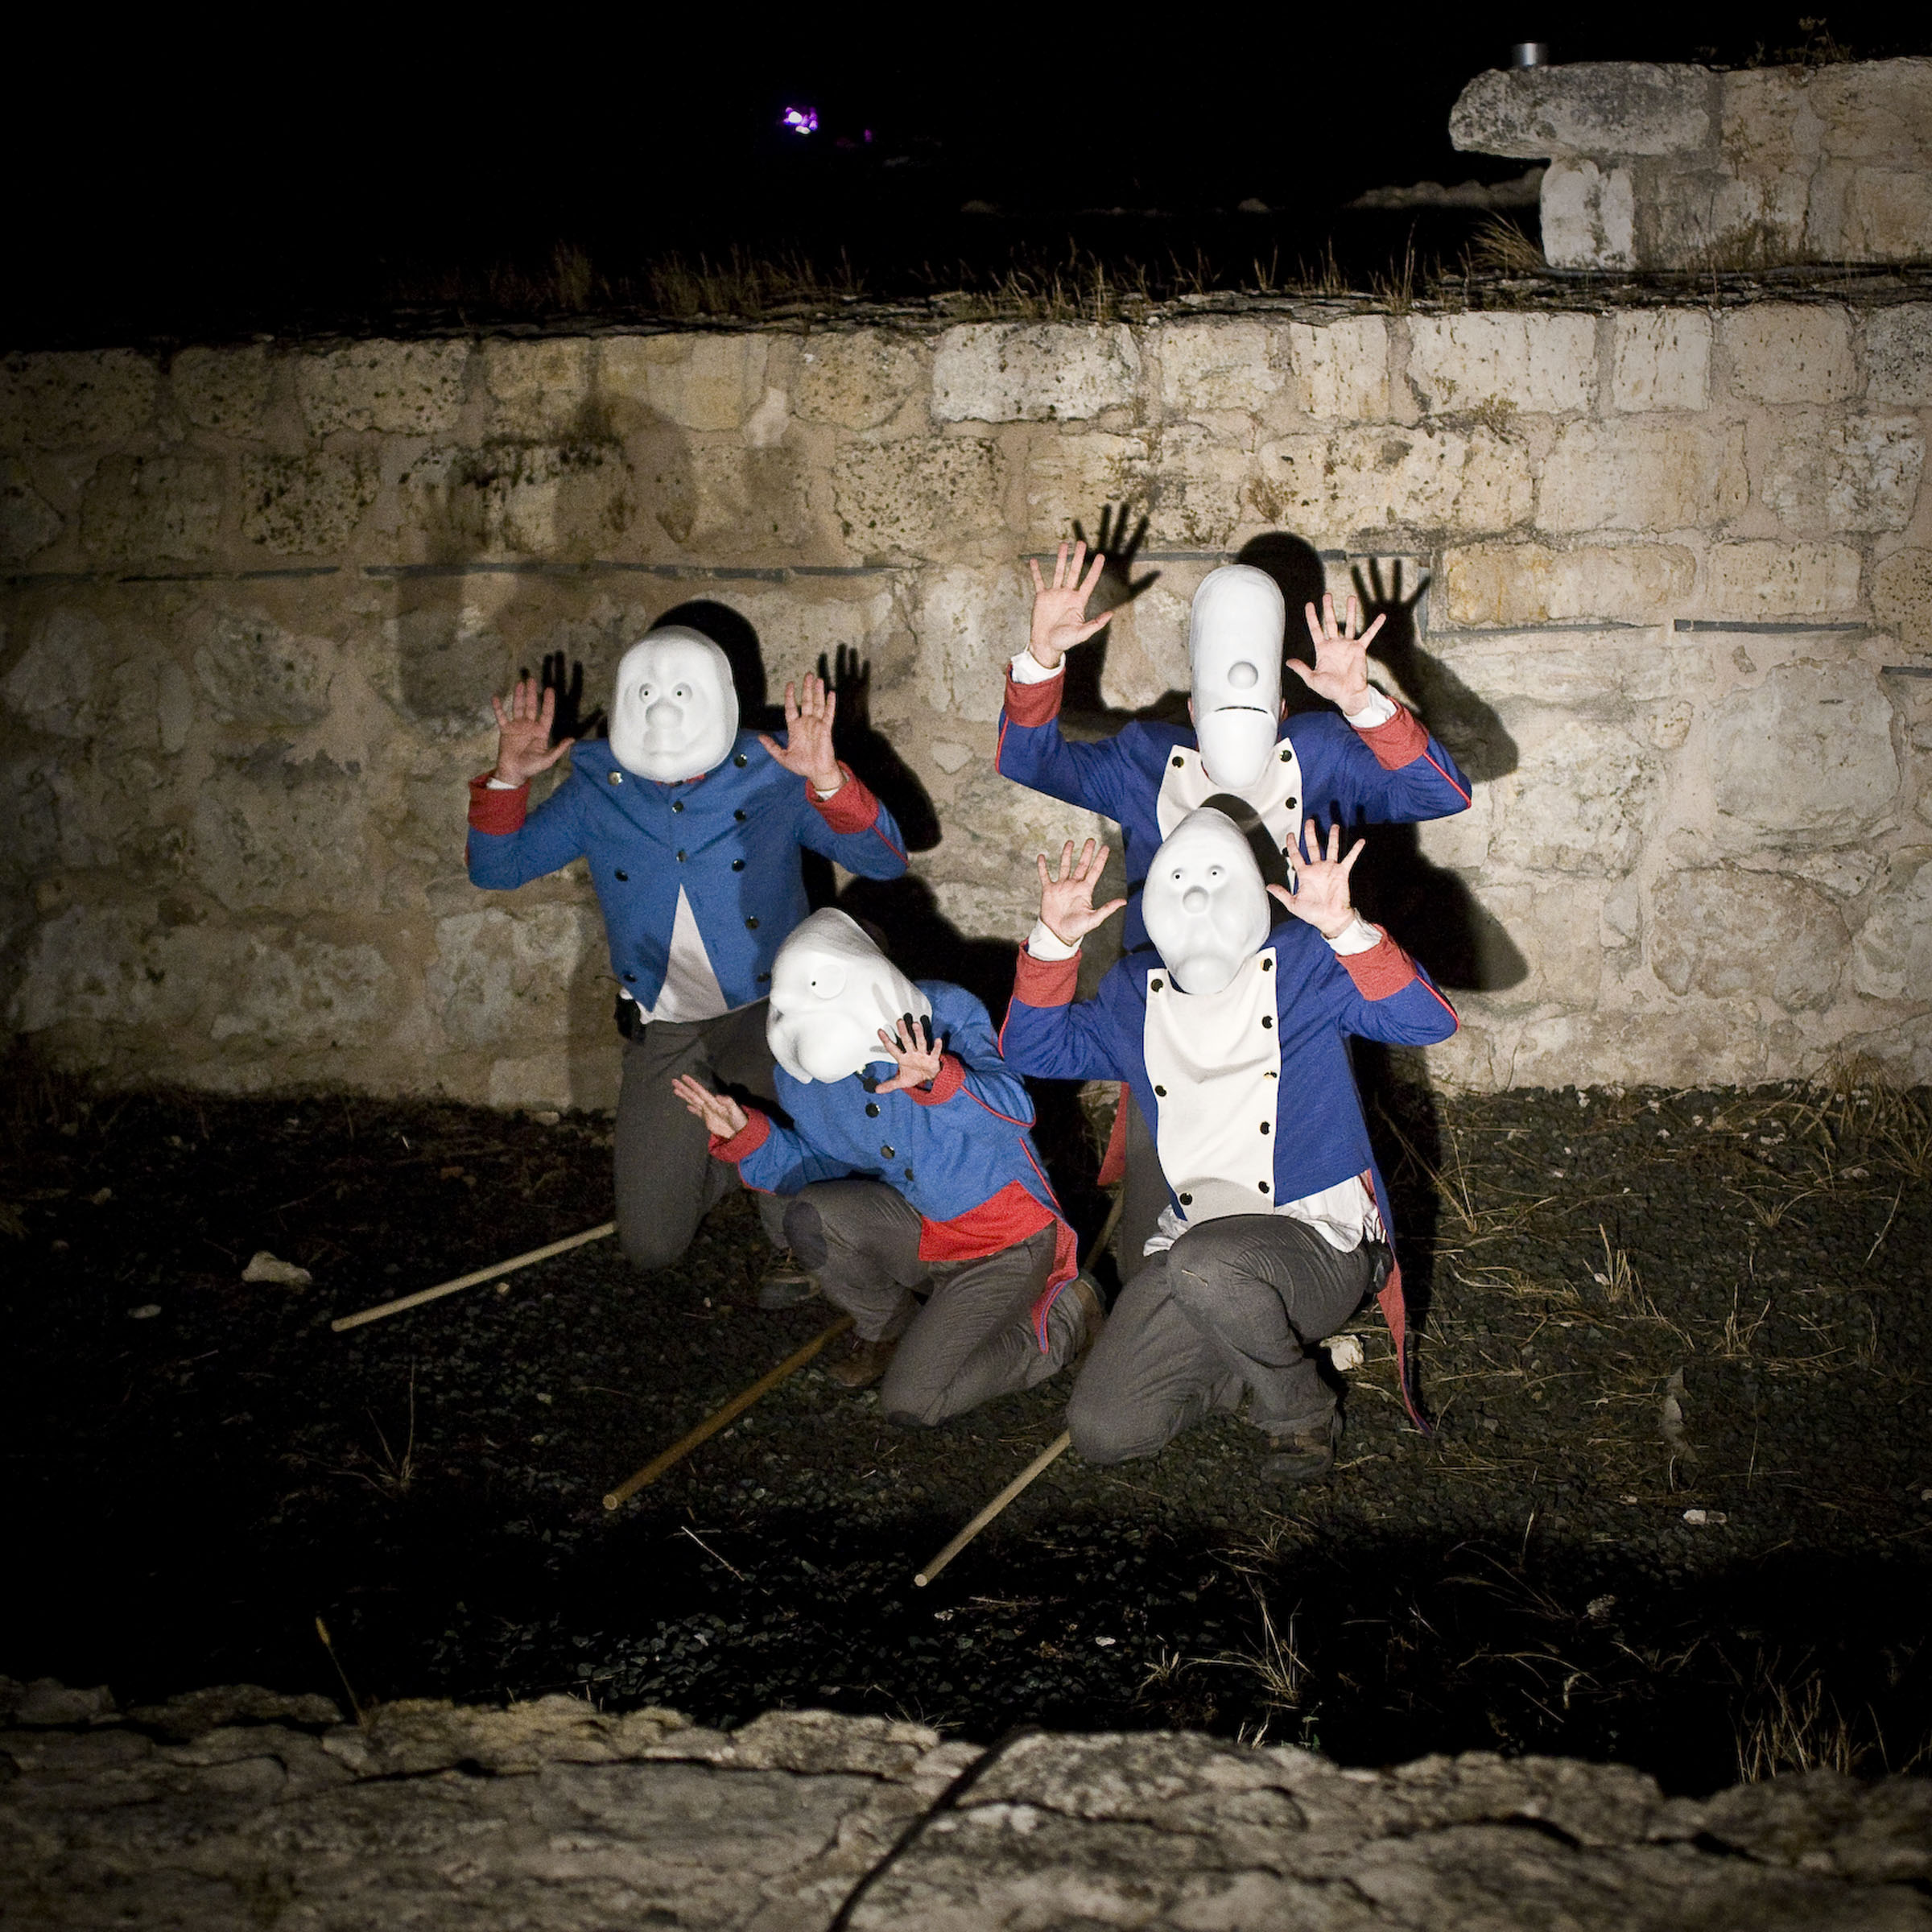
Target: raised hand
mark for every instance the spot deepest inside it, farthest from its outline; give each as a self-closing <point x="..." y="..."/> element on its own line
<point x="911" y="1042"/>
<point x="523" y="745"/>
<point x="1067" y="906"/>
<point x="722" y="1115"/>
<point x="1059" y="611"/>
<point x="1341" y="657"/>
<point x="1321" y="894"/>
<point x="807" y="748"/>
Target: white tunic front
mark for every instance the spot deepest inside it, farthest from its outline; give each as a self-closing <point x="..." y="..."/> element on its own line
<point x="1275" y="797"/>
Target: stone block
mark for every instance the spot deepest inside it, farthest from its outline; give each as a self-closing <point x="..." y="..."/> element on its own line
<point x="497" y="973"/>
<point x="1144" y="649"/>
<point x="1071" y="477"/>
<point x="539" y="389"/>
<point x="1341" y="368"/>
<point x="1789" y="351"/>
<point x="1876" y="214"/>
<point x="1898" y="354"/>
<point x="404" y="388"/>
<point x="1780" y="581"/>
<point x="1724" y="933"/>
<point x="702" y="382"/>
<point x="861" y="380"/>
<point x="1553" y="928"/>
<point x="1531" y="583"/>
<point x="294" y="991"/>
<point x="1203" y="488"/>
<point x="1541" y="365"/>
<point x="918" y="494"/>
<point x="1588" y="215"/>
<point x="1212" y="365"/>
<point x="1804" y="758"/>
<point x="744" y="502"/>
<point x="1019" y="372"/>
<point x="271" y="835"/>
<point x="1580" y="800"/>
<point x="54" y="687"/>
<point x="968" y="625"/>
<point x="1893" y="959"/>
<point x="994" y="827"/>
<point x="1901" y="596"/>
<point x="1585" y="107"/>
<point x="1369" y="481"/>
<point x="143" y="509"/>
<point x="1598" y="674"/>
<point x="1660" y="359"/>
<point x="252" y="671"/>
<point x="223" y="390"/>
<point x="28" y="523"/>
<point x="1842" y="473"/>
<point x="567" y="500"/>
<point x="69" y="400"/>
<point x="1638" y="475"/>
<point x="307" y="505"/>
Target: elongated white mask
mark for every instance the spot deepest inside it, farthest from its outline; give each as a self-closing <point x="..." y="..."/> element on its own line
<point x="1205" y="908"/>
<point x="831" y="990"/>
<point x="675" y="712"/>
<point x="1235" y="639"/>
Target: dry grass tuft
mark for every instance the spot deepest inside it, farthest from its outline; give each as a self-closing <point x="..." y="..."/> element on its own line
<point x="1499" y="247"/>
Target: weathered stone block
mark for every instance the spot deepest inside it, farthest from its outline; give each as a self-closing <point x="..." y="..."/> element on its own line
<point x="705" y="382"/>
<point x="744" y="502"/>
<point x="1531" y="584"/>
<point x="54" y="687"/>
<point x="1014" y="372"/>
<point x="252" y="670"/>
<point x="861" y="380"/>
<point x="1579" y="801"/>
<point x="404" y="389"/>
<point x="539" y="389"/>
<point x="1723" y="933"/>
<point x="67" y="400"/>
<point x="1202" y="488"/>
<point x="28" y="523"/>
<point x="225" y="390"/>
<point x="1871" y="214"/>
<point x="1371" y="480"/>
<point x="1589" y="215"/>
<point x="916" y="494"/>
<point x="1071" y="477"/>
<point x="1541" y="364"/>
<point x="1780" y="581"/>
<point x="1215" y="364"/>
<point x="1584" y="107"/>
<point x="1898" y="354"/>
<point x="575" y="499"/>
<point x="1636" y="475"/>
<point x="271" y="835"/>
<point x="969" y="624"/>
<point x="1145" y="647"/>
<point x="1660" y="360"/>
<point x="1831" y="473"/>
<point x="1804" y="758"/>
<point x="1901" y="596"/>
<point x="307" y="505"/>
<point x="1341" y="368"/>
<point x="498" y="974"/>
<point x="993" y="831"/>
<point x="1893" y="959"/>
<point x="1790" y="353"/>
<point x="142" y="509"/>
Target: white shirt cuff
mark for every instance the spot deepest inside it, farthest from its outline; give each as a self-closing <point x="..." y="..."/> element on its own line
<point x="1027" y="669"/>
<point x="833" y="792"/>
<point x="1379" y="710"/>
<point x="1045" y="945"/>
<point x="497" y="784"/>
<point x="1358" y="937"/>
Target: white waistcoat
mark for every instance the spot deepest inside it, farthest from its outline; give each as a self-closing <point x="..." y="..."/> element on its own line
<point x="1275" y="796"/>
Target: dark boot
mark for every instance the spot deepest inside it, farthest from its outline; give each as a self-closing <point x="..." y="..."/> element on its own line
<point x="1302" y="1455"/>
<point x="861" y="1364"/>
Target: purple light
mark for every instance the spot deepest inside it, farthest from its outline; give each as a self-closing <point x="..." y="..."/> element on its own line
<point x="800" y="120"/>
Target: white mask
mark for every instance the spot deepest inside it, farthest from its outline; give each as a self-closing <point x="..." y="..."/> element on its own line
<point x="1205" y="908"/>
<point x="1235" y="640"/>
<point x="831" y="990"/>
<point x="675" y="712"/>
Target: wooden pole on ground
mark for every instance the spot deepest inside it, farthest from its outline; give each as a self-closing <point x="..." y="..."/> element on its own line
<point x="1051" y="1453"/>
<point x="733" y="1409"/>
<point x="470" y="1281"/>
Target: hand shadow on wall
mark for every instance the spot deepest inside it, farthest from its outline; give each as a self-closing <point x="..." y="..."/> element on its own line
<point x="1116" y="588"/>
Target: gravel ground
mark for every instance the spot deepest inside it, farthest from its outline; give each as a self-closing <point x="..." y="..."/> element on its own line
<point x="1677" y="1508"/>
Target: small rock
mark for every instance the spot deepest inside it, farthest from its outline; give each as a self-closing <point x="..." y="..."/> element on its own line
<point x="1698" y="1518"/>
<point x="548" y="1116"/>
<point x="146" y="1312"/>
<point x="1598" y="1609"/>
<point x="263" y="1267"/>
<point x="101" y="1199"/>
<point x="1345" y="1353"/>
<point x="1106" y="1643"/>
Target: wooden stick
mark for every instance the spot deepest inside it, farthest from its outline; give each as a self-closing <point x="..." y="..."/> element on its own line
<point x="711" y="1424"/>
<point x="1053" y="1449"/>
<point x="469" y="1281"/>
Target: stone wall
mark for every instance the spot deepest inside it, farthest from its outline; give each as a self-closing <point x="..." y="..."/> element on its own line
<point x="1678" y="626"/>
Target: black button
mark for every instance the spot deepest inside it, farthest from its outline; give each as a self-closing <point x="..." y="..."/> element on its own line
<point x="632" y="977"/>
<point x="680" y="858"/>
<point x="1267" y="965"/>
<point x="1160" y="1093"/>
<point x="1153" y="985"/>
<point x="908" y="1174"/>
<point x="1290" y="805"/>
<point x="1286" y="754"/>
<point x="1264" y="1187"/>
<point x="739" y="816"/>
<point x="1187" y="1200"/>
<point x="1178" y="762"/>
<point x="617" y="777"/>
<point x="1267" y="1019"/>
<point x="758" y="979"/>
<point x="751" y="925"/>
<point x="737" y="864"/>
<point x="677" y="804"/>
<point x="741" y="761"/>
<point x="624" y="875"/>
<point x="1266" y="1127"/>
<point x="887" y="1152"/>
<point x="871" y="1110"/>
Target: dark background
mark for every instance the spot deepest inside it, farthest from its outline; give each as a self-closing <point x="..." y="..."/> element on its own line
<point x="321" y="171"/>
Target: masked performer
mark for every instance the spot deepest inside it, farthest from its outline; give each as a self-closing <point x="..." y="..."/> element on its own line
<point x="1373" y="763"/>
<point x="1233" y="1038"/>
<point x="692" y="829"/>
<point x="912" y="1167"/>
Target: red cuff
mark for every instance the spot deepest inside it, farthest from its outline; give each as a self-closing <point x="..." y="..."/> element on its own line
<point x="1396" y="741"/>
<point x="1034" y="704"/>
<point x="1045" y="982"/>
<point x="1382" y="970"/>
<point x="851" y="808"/>
<point x="946" y="1082"/>
<point x="495" y="810"/>
<point x="747" y="1141"/>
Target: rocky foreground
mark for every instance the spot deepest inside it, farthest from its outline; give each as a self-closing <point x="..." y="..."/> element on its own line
<point x="237" y="1807"/>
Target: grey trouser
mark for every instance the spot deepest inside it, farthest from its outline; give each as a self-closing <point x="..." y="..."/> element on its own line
<point x="666" y="1181"/>
<point x="1143" y="1189"/>
<point x="1233" y="1304"/>
<point x="973" y="1340"/>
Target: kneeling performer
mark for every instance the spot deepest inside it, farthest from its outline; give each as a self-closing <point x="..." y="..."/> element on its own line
<point x="1232" y="1035"/>
<point x="919" y="1175"/>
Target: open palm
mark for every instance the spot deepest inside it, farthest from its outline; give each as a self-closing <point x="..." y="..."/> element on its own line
<point x="1059" y="608"/>
<point x="1067" y="906"/>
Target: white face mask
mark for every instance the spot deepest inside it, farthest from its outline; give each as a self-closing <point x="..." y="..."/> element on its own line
<point x="1235" y="640"/>
<point x="1205" y="908"/>
<point x="831" y="990"/>
<point x="675" y="712"/>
